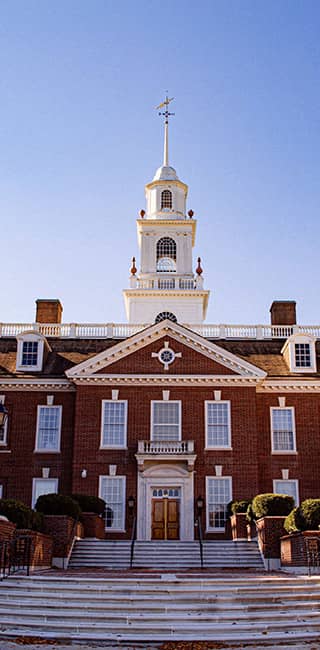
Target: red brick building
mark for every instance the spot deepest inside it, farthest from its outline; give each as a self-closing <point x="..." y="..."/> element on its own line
<point x="162" y="412"/>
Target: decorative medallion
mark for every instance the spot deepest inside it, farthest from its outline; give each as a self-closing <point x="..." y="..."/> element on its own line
<point x="166" y="355"/>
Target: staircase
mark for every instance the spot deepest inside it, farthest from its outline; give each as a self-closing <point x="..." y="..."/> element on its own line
<point x="247" y="609"/>
<point x="169" y="556"/>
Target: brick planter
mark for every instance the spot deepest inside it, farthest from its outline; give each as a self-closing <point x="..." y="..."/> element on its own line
<point x="239" y="523"/>
<point x="293" y="549"/>
<point x="7" y="530"/>
<point x="93" y="525"/>
<point x="41" y="548"/>
<point x="63" y="530"/>
<point x="270" y="530"/>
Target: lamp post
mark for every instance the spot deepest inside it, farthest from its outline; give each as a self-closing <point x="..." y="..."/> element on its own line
<point x="200" y="504"/>
<point x="131" y="504"/>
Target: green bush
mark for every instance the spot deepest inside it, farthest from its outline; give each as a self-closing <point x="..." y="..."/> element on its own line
<point x="292" y="522"/>
<point x="90" y="503"/>
<point x="240" y="506"/>
<point x="268" y="505"/>
<point x="250" y="516"/>
<point x="309" y="514"/>
<point x="58" y="504"/>
<point x="20" y="514"/>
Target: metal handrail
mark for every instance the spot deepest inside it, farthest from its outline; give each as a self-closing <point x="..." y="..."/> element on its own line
<point x="15" y="555"/>
<point x="200" y="539"/>
<point x="133" y="539"/>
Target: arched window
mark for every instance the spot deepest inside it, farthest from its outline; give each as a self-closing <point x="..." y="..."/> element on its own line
<point x="166" y="315"/>
<point x="166" y="199"/>
<point x="166" y="255"/>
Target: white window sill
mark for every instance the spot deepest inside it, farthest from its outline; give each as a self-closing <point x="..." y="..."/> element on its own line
<point x="284" y="452"/>
<point x="113" y="447"/>
<point x="218" y="449"/>
<point x="215" y="530"/>
<point x="5" y="451"/>
<point x="47" y="451"/>
<point x="115" y="530"/>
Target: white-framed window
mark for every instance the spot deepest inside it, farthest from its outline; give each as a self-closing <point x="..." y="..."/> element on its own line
<point x="218" y="424"/>
<point x="300" y="353"/>
<point x="114" y="424"/>
<point x="165" y="420"/>
<point x="113" y="490"/>
<point x="289" y="486"/>
<point x="218" y="495"/>
<point x="42" y="486"/>
<point x="283" y="435"/>
<point x="30" y="351"/>
<point x="166" y="255"/>
<point x="48" y="428"/>
<point x="1" y="490"/>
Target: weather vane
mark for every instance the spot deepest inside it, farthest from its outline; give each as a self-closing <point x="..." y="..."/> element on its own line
<point x="166" y="103"/>
<point x="166" y="116"/>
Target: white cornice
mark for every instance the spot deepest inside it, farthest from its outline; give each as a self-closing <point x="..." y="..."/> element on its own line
<point x="15" y="384"/>
<point x="287" y="385"/>
<point x="164" y="380"/>
<point x="154" y="333"/>
<point x="179" y="223"/>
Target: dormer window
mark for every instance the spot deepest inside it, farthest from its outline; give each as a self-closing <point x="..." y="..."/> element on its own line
<point x="299" y="353"/>
<point x="30" y="351"/>
<point x="302" y="355"/>
<point x="166" y="199"/>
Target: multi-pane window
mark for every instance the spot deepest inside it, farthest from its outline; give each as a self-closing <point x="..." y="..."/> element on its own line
<point x="282" y="429"/>
<point x="218" y="424"/>
<point x="42" y="486"/>
<point x="219" y="493"/>
<point x="3" y="433"/>
<point x="165" y="421"/>
<point x="48" y="428"/>
<point x="166" y="199"/>
<point x="114" y="423"/>
<point x="113" y="491"/>
<point x="289" y="487"/>
<point x="302" y="355"/>
<point x="29" y="353"/>
<point x="166" y="255"/>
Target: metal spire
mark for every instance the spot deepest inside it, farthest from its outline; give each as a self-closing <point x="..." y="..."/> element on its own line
<point x="166" y="116"/>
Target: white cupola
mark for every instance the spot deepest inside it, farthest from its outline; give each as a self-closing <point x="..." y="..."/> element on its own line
<point x="166" y="284"/>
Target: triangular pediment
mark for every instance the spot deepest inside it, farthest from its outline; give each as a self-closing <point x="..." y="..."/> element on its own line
<point x="140" y="354"/>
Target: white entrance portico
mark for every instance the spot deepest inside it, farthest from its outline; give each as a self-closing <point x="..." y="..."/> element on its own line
<point x="161" y="476"/>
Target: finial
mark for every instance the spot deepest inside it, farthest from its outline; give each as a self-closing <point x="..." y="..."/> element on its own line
<point x="199" y="269"/>
<point x="166" y="116"/>
<point x="190" y="213"/>
<point x="142" y="213"/>
<point x="133" y="269"/>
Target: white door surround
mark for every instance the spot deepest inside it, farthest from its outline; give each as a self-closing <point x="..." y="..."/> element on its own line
<point x="161" y="476"/>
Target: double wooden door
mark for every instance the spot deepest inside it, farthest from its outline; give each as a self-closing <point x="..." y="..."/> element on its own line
<point x="165" y="518"/>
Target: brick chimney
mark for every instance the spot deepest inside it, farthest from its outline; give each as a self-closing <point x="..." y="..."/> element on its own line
<point x="283" y="312"/>
<point x="48" y="310"/>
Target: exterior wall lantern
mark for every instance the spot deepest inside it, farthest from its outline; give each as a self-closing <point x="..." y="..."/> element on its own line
<point x="131" y="503"/>
<point x="200" y="504"/>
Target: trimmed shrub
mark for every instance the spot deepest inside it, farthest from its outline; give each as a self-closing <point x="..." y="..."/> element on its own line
<point x="20" y="514"/>
<point x="250" y="516"/>
<point x="293" y="521"/>
<point x="272" y="505"/>
<point x="58" y="504"/>
<point x="309" y="514"/>
<point x="90" y="503"/>
<point x="240" y="506"/>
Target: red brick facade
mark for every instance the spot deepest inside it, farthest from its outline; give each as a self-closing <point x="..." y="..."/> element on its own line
<point x="140" y="378"/>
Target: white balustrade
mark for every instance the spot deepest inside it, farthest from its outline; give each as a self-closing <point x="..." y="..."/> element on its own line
<point x="124" y="330"/>
<point x="153" y="447"/>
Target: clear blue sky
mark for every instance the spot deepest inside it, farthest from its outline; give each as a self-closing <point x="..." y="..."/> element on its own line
<point x="80" y="138"/>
